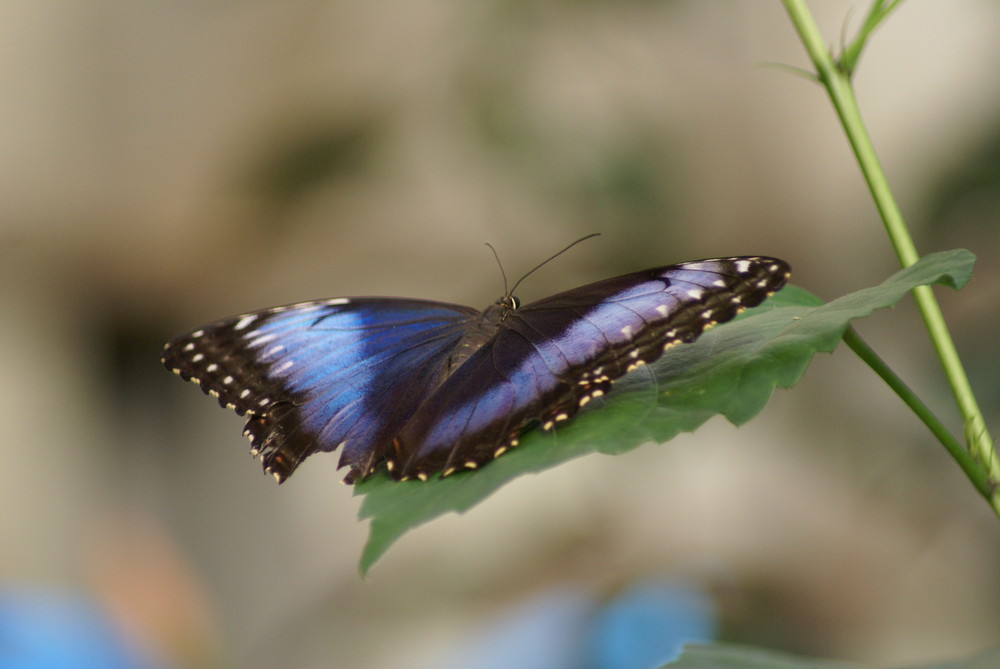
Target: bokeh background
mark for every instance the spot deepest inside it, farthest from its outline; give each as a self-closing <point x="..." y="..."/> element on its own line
<point x="166" y="164"/>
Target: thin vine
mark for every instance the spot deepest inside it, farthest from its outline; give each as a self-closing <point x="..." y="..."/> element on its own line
<point x="834" y="73"/>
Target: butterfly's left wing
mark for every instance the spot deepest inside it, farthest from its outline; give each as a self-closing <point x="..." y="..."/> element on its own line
<point x="552" y="356"/>
<point x="317" y="375"/>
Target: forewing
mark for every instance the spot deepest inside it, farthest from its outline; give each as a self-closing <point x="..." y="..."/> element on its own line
<point x="317" y="375"/>
<point x="552" y="356"/>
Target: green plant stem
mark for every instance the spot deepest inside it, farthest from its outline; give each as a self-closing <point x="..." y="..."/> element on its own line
<point x="838" y="85"/>
<point x="852" y="52"/>
<point x="964" y="459"/>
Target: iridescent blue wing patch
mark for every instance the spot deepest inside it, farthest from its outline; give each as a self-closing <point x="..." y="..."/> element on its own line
<point x="316" y="376"/>
<point x="550" y="358"/>
<point x="426" y="387"/>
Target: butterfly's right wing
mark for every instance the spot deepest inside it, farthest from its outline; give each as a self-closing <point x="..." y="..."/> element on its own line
<point x="317" y="375"/>
<point x="552" y="356"/>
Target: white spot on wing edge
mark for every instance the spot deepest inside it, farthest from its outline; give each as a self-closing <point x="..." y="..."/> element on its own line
<point x="635" y="365"/>
<point x="306" y="307"/>
<point x="274" y="350"/>
<point x="263" y="339"/>
<point x="742" y="266"/>
<point x="245" y="321"/>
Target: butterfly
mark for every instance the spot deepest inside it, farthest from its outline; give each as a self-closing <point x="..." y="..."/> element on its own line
<point x="422" y="388"/>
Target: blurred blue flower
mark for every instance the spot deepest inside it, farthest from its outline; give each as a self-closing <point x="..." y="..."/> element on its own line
<point x="643" y="627"/>
<point x="50" y="629"/>
<point x="648" y="623"/>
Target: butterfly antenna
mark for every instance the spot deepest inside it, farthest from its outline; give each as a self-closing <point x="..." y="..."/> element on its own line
<point x="549" y="259"/>
<point x="500" y="264"/>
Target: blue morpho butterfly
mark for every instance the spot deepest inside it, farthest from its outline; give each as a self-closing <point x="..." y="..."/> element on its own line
<point x="427" y="387"/>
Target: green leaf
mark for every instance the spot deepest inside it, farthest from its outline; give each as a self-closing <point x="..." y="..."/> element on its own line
<point x="719" y="656"/>
<point x="744" y="657"/>
<point x="731" y="370"/>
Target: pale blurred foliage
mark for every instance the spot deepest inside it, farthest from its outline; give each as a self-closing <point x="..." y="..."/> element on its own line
<point x="165" y="164"/>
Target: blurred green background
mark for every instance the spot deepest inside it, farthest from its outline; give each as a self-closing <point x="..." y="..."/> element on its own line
<point x="167" y="164"/>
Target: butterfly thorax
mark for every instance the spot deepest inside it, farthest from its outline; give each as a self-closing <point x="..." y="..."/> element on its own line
<point x="480" y="331"/>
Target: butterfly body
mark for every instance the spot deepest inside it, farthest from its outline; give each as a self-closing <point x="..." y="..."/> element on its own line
<point x="479" y="331"/>
<point x="428" y="387"/>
